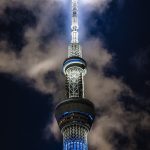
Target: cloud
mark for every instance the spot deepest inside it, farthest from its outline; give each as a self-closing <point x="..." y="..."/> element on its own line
<point x="39" y="63"/>
<point x="33" y="63"/>
<point x="52" y="128"/>
<point x="105" y="92"/>
<point x="99" y="5"/>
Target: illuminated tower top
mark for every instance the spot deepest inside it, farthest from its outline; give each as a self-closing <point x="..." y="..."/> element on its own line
<point x="74" y="48"/>
<point x="74" y="67"/>
<point x="74" y="25"/>
<point x="76" y="114"/>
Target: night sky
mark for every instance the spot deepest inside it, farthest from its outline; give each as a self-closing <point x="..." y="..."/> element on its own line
<point x="124" y="29"/>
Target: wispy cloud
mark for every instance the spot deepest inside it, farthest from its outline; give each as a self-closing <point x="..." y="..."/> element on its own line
<point x="99" y="5"/>
<point x="40" y="66"/>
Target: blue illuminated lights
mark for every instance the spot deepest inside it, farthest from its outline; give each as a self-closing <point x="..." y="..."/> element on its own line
<point x="74" y="60"/>
<point x="71" y="112"/>
<point x="75" y="145"/>
<point x="75" y="138"/>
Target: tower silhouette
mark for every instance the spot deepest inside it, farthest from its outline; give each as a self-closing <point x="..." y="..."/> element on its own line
<point x="76" y="114"/>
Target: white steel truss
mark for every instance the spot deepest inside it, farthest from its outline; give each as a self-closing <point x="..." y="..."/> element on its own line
<point x="74" y="49"/>
<point x="75" y="82"/>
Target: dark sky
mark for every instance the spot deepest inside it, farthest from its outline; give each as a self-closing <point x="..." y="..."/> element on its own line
<point x="125" y="30"/>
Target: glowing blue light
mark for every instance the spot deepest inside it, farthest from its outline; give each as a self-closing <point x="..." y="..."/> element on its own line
<point x="74" y="60"/>
<point x="87" y="114"/>
<point x="75" y="138"/>
<point x="75" y="145"/>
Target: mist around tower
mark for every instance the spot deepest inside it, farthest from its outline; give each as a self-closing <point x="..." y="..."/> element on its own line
<point x="115" y="38"/>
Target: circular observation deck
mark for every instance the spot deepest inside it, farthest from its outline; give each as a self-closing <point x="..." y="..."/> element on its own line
<point x="77" y="111"/>
<point x="74" y="62"/>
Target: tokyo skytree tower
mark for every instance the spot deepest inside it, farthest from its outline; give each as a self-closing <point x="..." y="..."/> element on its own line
<point x="76" y="114"/>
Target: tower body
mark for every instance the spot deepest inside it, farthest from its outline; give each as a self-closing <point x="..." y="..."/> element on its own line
<point x="76" y="114"/>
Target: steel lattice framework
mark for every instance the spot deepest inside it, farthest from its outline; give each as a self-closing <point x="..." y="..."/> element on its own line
<point x="74" y="82"/>
<point x="75" y="74"/>
<point x="75" y="137"/>
<point x="76" y="114"/>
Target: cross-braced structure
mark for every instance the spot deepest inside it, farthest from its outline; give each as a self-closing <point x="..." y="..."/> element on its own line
<point x="76" y="114"/>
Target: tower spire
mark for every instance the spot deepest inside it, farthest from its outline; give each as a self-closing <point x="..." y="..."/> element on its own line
<point x="74" y="48"/>
<point x="75" y="25"/>
<point x="76" y="114"/>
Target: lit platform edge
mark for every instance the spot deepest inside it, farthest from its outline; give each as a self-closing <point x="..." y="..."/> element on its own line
<point x="74" y="61"/>
<point x="75" y="111"/>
